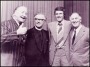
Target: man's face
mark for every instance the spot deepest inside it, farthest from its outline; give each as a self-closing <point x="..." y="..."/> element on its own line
<point x="59" y="15"/>
<point x="21" y="14"/>
<point x="39" y="21"/>
<point x="75" y="19"/>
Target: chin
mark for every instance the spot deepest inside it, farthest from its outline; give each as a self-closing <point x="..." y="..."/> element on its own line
<point x="22" y="21"/>
<point x="59" y="19"/>
<point x="76" y="26"/>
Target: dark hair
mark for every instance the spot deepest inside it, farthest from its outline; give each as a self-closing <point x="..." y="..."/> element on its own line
<point x="59" y="9"/>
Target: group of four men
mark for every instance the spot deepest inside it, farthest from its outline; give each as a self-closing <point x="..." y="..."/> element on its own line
<point x="65" y="43"/>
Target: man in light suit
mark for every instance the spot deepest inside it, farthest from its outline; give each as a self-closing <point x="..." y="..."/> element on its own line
<point x="79" y="42"/>
<point x="59" y="45"/>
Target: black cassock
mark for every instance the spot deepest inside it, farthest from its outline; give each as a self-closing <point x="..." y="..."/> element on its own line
<point x="37" y="48"/>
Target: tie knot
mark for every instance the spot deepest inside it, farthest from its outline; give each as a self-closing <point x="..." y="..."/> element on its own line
<point x="60" y="24"/>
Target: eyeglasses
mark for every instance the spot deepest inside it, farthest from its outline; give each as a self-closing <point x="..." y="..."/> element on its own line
<point x="39" y="19"/>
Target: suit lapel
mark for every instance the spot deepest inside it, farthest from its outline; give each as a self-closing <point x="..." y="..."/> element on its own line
<point x="54" y="31"/>
<point x="67" y="28"/>
<point x="65" y="32"/>
<point x="80" y="34"/>
<point x="71" y="31"/>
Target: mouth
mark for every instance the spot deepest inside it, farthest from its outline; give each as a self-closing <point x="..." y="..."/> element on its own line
<point x="58" y="17"/>
<point x="23" y="17"/>
<point x="38" y="22"/>
<point x="74" y="22"/>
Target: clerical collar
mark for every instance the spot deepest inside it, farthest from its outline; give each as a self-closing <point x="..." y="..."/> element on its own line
<point x="38" y="28"/>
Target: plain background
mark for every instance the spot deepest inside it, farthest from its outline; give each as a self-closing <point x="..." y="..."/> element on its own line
<point x="46" y="7"/>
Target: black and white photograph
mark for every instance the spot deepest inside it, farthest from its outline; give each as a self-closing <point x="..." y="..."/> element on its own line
<point x="45" y="33"/>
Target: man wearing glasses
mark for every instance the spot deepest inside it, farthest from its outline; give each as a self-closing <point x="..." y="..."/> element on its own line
<point x="36" y="45"/>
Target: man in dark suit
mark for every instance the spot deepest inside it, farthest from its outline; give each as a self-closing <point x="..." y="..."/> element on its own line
<point x="12" y="38"/>
<point x="79" y="42"/>
<point x="36" y="46"/>
<point x="59" y="44"/>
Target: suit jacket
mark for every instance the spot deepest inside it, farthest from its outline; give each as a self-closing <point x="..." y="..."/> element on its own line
<point x="36" y="50"/>
<point x="55" y="41"/>
<point x="11" y="43"/>
<point x="79" y="51"/>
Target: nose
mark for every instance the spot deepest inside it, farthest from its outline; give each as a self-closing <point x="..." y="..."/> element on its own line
<point x="24" y="14"/>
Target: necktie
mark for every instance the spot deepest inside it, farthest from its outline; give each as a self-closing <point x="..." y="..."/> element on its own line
<point x="60" y="28"/>
<point x="73" y="37"/>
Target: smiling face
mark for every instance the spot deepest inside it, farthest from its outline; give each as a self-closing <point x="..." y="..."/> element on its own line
<point x="21" y="14"/>
<point x="39" y="20"/>
<point x="75" y="20"/>
<point x="59" y="15"/>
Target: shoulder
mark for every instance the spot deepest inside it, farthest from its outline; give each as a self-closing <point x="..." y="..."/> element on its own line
<point x="51" y="23"/>
<point x="86" y="32"/>
<point x="86" y="28"/>
<point x="45" y="31"/>
<point x="67" y="21"/>
<point x="29" y="31"/>
<point x="6" y="22"/>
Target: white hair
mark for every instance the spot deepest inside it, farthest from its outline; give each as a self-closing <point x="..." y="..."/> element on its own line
<point x="20" y="8"/>
<point x="75" y="14"/>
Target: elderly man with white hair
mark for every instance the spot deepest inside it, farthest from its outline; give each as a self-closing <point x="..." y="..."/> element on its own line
<point x="12" y="35"/>
<point x="36" y="45"/>
<point x="79" y="42"/>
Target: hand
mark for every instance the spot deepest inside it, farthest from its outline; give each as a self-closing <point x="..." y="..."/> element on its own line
<point x="21" y="29"/>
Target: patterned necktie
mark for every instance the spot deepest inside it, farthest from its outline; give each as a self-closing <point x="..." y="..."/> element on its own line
<point x="74" y="37"/>
<point x="60" y="28"/>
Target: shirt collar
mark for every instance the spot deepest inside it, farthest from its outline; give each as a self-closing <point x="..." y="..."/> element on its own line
<point x="77" y="29"/>
<point x="62" y="22"/>
<point x="38" y="28"/>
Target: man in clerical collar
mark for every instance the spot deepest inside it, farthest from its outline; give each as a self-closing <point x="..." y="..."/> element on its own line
<point x="36" y="46"/>
<point x="79" y="41"/>
<point x="59" y="47"/>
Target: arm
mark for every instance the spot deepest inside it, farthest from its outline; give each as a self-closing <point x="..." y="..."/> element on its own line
<point x="49" y="33"/>
<point x="6" y="35"/>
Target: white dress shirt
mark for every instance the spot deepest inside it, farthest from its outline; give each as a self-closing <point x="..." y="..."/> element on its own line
<point x="77" y="30"/>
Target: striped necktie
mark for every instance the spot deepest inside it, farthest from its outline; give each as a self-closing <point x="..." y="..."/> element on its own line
<point x="60" y="28"/>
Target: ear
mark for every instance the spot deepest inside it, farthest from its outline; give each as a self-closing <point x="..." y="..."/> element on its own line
<point x="70" y="18"/>
<point x="80" y="19"/>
